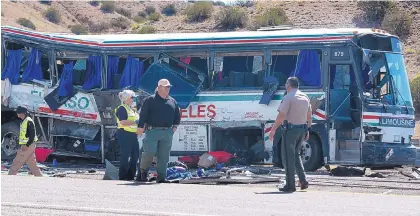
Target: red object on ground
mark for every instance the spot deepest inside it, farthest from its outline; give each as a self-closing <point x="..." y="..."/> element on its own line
<point x="41" y="154"/>
<point x="221" y="156"/>
<point x="191" y="161"/>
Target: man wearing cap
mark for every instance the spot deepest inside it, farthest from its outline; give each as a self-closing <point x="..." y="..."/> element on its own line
<point x="27" y="139"/>
<point x="159" y="118"/>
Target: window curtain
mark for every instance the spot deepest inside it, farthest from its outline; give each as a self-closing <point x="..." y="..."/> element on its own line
<point x="33" y="69"/>
<point x="308" y="68"/>
<point x="65" y="88"/>
<point x="12" y="68"/>
<point x="93" y="73"/>
<point x="113" y="62"/>
<point x="132" y="73"/>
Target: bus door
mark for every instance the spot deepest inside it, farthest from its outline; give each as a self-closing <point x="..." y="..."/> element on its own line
<point x="344" y="114"/>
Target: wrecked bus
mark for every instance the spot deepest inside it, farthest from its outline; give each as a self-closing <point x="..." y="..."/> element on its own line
<point x="228" y="85"/>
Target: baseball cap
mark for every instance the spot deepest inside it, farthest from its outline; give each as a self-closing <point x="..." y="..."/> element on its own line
<point x="164" y="82"/>
<point x="21" y="109"/>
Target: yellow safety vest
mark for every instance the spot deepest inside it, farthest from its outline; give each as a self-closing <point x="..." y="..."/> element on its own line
<point x="132" y="116"/>
<point x="22" y="133"/>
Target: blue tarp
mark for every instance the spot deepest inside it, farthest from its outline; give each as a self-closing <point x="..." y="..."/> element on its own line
<point x="132" y="73"/>
<point x="308" y="68"/>
<point x="12" y="68"/>
<point x="113" y="62"/>
<point x="93" y="73"/>
<point x="33" y="69"/>
<point x="65" y="88"/>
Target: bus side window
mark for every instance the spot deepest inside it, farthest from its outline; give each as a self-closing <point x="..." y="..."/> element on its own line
<point x="239" y="69"/>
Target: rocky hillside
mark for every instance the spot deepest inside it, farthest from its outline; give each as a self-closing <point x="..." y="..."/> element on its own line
<point x="95" y="17"/>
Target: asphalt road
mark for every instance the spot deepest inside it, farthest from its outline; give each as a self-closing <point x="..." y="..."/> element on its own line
<point x="27" y="195"/>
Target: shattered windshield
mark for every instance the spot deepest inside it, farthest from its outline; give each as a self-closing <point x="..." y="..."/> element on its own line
<point x="387" y="77"/>
<point x="399" y="78"/>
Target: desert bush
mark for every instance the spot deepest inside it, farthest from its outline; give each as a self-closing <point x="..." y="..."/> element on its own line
<point x="108" y="6"/>
<point x="219" y="3"/>
<point x="169" y="10"/>
<point x="52" y="15"/>
<point x="142" y="14"/>
<point x="123" y="12"/>
<point x="150" y="9"/>
<point x="120" y="22"/>
<point x="100" y="27"/>
<point x="94" y="3"/>
<point x="397" y="22"/>
<point x="154" y="16"/>
<point x="26" y="23"/>
<point x="231" y="18"/>
<point x="415" y="91"/>
<point x="138" y="19"/>
<point x="147" y="30"/>
<point x="245" y="3"/>
<point x="79" y="29"/>
<point x="45" y="2"/>
<point x="374" y="11"/>
<point x="271" y="17"/>
<point x="199" y="11"/>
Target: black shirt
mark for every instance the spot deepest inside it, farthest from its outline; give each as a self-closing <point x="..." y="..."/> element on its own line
<point x="159" y="112"/>
<point x="30" y="133"/>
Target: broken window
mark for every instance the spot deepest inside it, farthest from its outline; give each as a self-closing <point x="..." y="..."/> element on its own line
<point x="186" y="80"/>
<point x="239" y="69"/>
<point x="25" y="64"/>
<point x="124" y="71"/>
<point x="303" y="64"/>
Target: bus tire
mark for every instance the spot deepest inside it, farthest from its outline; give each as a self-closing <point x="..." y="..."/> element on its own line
<point x="9" y="140"/>
<point x="311" y="153"/>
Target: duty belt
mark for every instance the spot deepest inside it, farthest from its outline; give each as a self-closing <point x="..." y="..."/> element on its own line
<point x="159" y="128"/>
<point x="292" y="126"/>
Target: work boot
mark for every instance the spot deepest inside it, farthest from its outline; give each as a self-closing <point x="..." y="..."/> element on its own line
<point x="287" y="189"/>
<point x="142" y="176"/>
<point x="304" y="185"/>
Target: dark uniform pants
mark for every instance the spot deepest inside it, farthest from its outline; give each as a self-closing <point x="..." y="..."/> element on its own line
<point x="290" y="154"/>
<point x="129" y="154"/>
<point x="157" y="142"/>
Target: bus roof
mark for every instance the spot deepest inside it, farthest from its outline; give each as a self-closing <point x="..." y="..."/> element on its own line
<point x="174" y="39"/>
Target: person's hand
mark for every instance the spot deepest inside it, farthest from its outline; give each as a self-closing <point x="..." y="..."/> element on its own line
<point x="139" y="131"/>
<point x="271" y="136"/>
<point x="307" y="136"/>
<point x="24" y="148"/>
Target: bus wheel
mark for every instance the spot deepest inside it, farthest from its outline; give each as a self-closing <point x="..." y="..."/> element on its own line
<point x="9" y="140"/>
<point x="311" y="154"/>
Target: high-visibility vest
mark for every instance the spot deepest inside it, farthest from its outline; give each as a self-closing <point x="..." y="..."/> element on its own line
<point x="132" y="116"/>
<point x="22" y="133"/>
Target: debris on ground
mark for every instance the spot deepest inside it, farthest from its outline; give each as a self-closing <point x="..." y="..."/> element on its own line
<point x="343" y="171"/>
<point x="414" y="173"/>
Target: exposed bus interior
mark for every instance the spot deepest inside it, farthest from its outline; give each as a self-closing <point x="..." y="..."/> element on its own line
<point x="343" y="89"/>
<point x="33" y="63"/>
<point x="245" y="142"/>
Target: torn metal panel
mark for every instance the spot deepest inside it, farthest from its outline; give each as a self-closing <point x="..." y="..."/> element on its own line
<point x="388" y="154"/>
<point x="237" y="124"/>
<point x="75" y="130"/>
<point x="107" y="101"/>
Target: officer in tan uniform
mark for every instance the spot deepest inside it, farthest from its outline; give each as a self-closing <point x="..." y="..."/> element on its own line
<point x="295" y="116"/>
